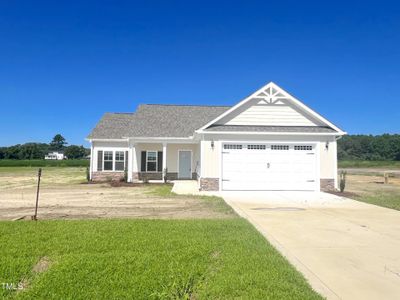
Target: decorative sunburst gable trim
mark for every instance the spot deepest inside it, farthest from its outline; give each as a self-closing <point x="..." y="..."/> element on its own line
<point x="272" y="94"/>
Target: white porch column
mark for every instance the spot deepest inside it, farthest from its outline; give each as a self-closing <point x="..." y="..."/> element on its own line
<point x="91" y="160"/>
<point x="135" y="168"/>
<point x="164" y="160"/>
<point x="130" y="162"/>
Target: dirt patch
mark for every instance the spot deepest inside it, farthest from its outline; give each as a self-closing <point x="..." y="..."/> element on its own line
<point x="344" y="194"/>
<point x="92" y="201"/>
<point x="367" y="184"/>
<point x="42" y="265"/>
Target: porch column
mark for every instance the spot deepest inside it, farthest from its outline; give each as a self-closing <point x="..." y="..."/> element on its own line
<point x="135" y="168"/>
<point x="130" y="161"/>
<point x="91" y="160"/>
<point x="164" y="160"/>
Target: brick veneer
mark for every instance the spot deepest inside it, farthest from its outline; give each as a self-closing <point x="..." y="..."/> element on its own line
<point x="209" y="184"/>
<point x="150" y="176"/>
<point x="136" y="176"/>
<point x="107" y="176"/>
<point x="327" y="184"/>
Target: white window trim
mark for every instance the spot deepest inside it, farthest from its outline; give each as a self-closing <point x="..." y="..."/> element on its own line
<point x="113" y="159"/>
<point x="156" y="161"/>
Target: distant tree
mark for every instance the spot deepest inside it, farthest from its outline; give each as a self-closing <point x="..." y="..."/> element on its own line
<point x="74" y="152"/>
<point x="58" y="142"/>
<point x="369" y="147"/>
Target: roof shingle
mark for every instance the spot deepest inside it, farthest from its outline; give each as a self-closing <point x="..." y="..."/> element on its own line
<point x="154" y="120"/>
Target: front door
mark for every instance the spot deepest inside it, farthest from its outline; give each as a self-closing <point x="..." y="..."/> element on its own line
<point x="185" y="164"/>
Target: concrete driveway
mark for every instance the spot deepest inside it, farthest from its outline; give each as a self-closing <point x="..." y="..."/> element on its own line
<point x="345" y="248"/>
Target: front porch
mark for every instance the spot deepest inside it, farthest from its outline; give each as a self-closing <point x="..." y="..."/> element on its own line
<point x="145" y="161"/>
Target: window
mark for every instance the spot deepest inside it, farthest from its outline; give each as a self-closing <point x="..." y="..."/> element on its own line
<point x="151" y="161"/>
<point x="303" y="147"/>
<point x="256" y="147"/>
<point x="108" y="160"/>
<point x="119" y="160"/>
<point x="228" y="146"/>
<point x="279" y="147"/>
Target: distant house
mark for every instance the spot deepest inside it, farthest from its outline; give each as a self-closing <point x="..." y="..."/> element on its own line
<point x="55" y="155"/>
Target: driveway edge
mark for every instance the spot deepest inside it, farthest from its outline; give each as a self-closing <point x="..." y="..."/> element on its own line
<point x="316" y="283"/>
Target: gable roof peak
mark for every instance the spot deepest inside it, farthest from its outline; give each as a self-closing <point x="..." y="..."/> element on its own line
<point x="272" y="90"/>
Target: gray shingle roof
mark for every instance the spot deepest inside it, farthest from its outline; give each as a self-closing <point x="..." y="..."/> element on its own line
<point x="153" y="120"/>
<point x="308" y="129"/>
<point x="113" y="126"/>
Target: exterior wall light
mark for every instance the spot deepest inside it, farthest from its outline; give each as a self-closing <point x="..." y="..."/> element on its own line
<point x="327" y="145"/>
<point x="212" y="144"/>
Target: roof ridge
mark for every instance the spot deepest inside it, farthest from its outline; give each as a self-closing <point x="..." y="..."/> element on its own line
<point x="195" y="105"/>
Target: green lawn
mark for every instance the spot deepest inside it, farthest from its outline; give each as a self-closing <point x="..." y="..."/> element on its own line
<point x="369" y="164"/>
<point x="44" y="163"/>
<point x="145" y="259"/>
<point x="389" y="200"/>
<point x="217" y="203"/>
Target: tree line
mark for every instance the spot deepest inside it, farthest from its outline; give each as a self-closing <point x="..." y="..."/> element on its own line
<point x="369" y="147"/>
<point x="350" y="147"/>
<point x="39" y="150"/>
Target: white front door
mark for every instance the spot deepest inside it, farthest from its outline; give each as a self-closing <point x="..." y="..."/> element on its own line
<point x="185" y="164"/>
<point x="275" y="166"/>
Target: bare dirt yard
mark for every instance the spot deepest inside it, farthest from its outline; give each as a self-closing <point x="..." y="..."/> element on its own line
<point x="370" y="188"/>
<point x="64" y="194"/>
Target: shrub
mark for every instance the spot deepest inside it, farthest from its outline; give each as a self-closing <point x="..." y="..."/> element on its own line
<point x="126" y="175"/>
<point x="165" y="171"/>
<point x="87" y="174"/>
<point x="145" y="178"/>
<point x="342" y="183"/>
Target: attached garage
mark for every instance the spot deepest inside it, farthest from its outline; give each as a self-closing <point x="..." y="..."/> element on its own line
<point x="269" y="141"/>
<point x="269" y="166"/>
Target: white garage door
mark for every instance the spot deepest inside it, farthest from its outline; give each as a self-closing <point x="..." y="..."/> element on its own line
<point x="268" y="167"/>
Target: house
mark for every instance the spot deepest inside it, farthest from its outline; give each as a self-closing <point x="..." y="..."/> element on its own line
<point x="268" y="141"/>
<point x="55" y="155"/>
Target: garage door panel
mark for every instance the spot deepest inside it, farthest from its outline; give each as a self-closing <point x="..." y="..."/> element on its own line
<point x="268" y="169"/>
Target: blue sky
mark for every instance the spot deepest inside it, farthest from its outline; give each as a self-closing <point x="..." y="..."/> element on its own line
<point x="64" y="63"/>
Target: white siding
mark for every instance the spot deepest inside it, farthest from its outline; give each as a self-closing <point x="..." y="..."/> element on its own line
<point x="328" y="159"/>
<point x="172" y="156"/>
<point x="210" y="160"/>
<point x="106" y="146"/>
<point x="283" y="114"/>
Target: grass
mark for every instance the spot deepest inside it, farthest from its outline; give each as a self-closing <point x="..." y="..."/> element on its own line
<point x="44" y="163"/>
<point x="25" y="177"/>
<point x="384" y="199"/>
<point x="165" y="191"/>
<point x="369" y="164"/>
<point x="145" y="259"/>
<point x="371" y="189"/>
